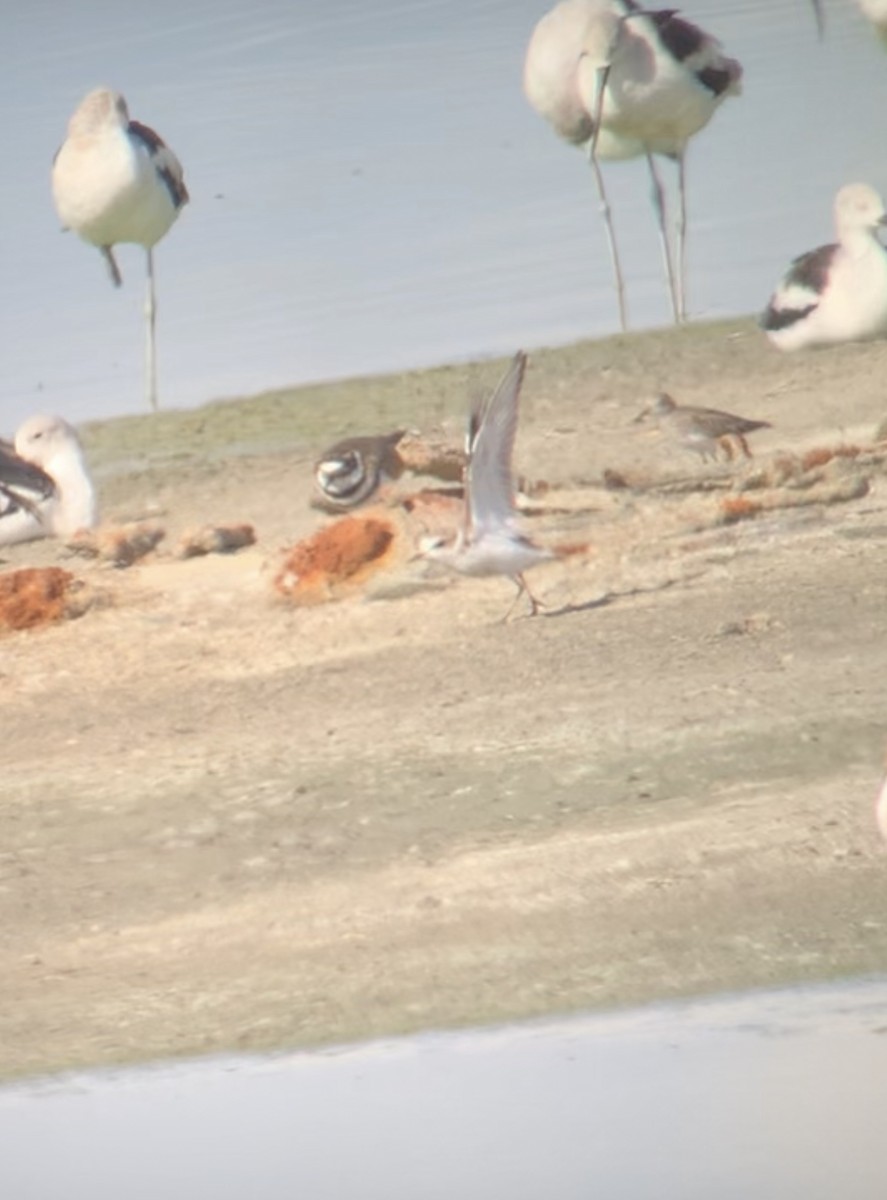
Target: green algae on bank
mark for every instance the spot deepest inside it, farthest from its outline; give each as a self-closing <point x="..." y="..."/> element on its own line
<point x="311" y="415"/>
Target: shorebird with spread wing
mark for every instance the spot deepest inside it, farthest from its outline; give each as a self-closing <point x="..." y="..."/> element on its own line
<point x="489" y="542"/>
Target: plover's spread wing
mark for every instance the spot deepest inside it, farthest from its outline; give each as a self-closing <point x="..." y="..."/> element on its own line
<point x="489" y="484"/>
<point x="801" y="289"/>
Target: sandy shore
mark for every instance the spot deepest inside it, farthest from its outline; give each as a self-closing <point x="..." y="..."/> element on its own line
<point x="232" y="823"/>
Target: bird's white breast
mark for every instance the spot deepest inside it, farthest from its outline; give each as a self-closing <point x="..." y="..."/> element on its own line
<point x="852" y="306"/>
<point x="107" y="189"/>
<point x="650" y="98"/>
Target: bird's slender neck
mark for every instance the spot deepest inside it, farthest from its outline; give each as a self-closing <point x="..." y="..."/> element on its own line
<point x="858" y="239"/>
<point x="76" y="506"/>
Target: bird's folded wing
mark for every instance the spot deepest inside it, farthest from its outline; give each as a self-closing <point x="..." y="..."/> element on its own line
<point x="801" y="289"/>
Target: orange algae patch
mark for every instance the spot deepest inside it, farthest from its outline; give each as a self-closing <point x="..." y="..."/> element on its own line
<point x="820" y="455"/>
<point x="739" y="508"/>
<point x="35" y="596"/>
<point x="339" y="558"/>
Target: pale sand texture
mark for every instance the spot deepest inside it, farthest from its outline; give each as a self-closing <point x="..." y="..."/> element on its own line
<point x="232" y="823"/>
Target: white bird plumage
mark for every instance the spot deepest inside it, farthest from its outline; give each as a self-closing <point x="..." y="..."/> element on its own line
<point x="45" y="485"/>
<point x="625" y="81"/>
<point x="837" y="292"/>
<point x="115" y="180"/>
<point x="489" y="542"/>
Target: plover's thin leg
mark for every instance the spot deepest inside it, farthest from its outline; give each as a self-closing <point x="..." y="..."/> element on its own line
<point x="611" y="234"/>
<point x="522" y="589"/>
<point x="113" y="269"/>
<point x="150" y="317"/>
<point x="682" y="239"/>
<point x="658" y="196"/>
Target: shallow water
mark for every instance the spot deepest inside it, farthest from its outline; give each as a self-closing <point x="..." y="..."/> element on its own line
<point x="371" y="191"/>
<point x="778" y="1094"/>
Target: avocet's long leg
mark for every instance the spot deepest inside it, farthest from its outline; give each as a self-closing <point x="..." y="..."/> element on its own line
<point x="658" y="196"/>
<point x="111" y="261"/>
<point x="150" y="344"/>
<point x="611" y="234"/>
<point x="682" y="239"/>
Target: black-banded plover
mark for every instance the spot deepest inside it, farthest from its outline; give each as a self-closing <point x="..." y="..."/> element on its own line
<point x="838" y="292"/>
<point x="351" y="472"/>
<point x="626" y="81"/>
<point x="115" y="180"/>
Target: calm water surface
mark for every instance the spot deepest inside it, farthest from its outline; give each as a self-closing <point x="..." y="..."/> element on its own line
<point x="773" y="1095"/>
<point x="371" y="191"/>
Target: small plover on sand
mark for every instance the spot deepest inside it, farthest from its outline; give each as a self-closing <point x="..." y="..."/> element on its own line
<point x="838" y="292"/>
<point x="489" y="543"/>
<point x="703" y="430"/>
<point x="115" y="180"/>
<point x="349" y="473"/>
<point x="45" y="486"/>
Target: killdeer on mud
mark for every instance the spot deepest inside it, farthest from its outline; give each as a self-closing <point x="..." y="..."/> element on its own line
<point x="702" y="430"/>
<point x="115" y="180"/>
<point x="625" y="82"/>
<point x="838" y="292"/>
<point x="350" y="472"/>
<point x="488" y="542"/>
<point x="45" y="486"/>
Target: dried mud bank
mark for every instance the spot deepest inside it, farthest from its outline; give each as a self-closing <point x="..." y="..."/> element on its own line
<point x="235" y="823"/>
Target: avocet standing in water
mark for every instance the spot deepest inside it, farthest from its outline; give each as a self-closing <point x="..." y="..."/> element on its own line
<point x="115" y="180"/>
<point x="625" y="81"/>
